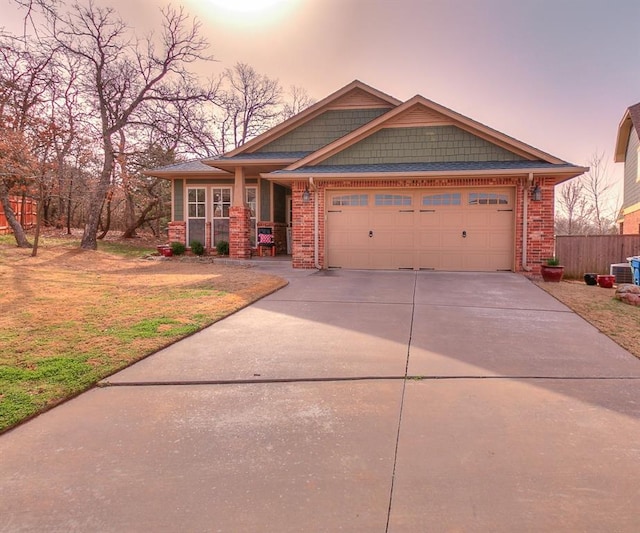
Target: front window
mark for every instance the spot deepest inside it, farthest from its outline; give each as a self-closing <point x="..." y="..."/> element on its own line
<point x="251" y="194"/>
<point x="221" y="205"/>
<point x="196" y="213"/>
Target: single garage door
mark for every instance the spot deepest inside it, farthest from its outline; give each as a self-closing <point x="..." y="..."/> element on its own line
<point x="450" y="229"/>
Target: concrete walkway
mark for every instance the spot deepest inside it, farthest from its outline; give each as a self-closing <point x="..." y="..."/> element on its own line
<point x="349" y="401"/>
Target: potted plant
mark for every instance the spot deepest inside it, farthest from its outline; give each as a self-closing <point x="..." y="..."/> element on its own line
<point x="552" y="270"/>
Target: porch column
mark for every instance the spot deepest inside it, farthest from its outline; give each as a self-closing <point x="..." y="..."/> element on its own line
<point x="303" y="228"/>
<point x="239" y="220"/>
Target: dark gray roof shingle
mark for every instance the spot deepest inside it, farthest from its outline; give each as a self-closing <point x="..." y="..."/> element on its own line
<point x="424" y="167"/>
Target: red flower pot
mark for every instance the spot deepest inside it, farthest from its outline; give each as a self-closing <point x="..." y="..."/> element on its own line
<point x="606" y="281"/>
<point x="164" y="251"/>
<point x="552" y="273"/>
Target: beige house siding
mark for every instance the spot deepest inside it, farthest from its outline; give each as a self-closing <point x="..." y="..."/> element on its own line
<point x="631" y="184"/>
<point x="322" y="130"/>
<point x="421" y="144"/>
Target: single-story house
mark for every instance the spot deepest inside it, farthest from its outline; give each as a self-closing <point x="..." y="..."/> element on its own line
<point x="361" y="180"/>
<point x="627" y="148"/>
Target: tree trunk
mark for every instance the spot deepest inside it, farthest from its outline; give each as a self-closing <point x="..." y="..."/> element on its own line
<point x="107" y="225"/>
<point x="68" y="200"/>
<point x="131" y="223"/>
<point x="18" y="231"/>
<point x="89" y="238"/>
<point x="39" y="216"/>
<point x="130" y="232"/>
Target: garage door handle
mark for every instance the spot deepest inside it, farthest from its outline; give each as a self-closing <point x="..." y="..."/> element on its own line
<point x="371" y="234"/>
<point x="464" y="234"/>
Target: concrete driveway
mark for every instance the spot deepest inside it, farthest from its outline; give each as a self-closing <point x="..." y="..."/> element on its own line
<point x="349" y="401"/>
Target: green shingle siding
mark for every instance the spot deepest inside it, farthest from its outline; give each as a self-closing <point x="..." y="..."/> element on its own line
<point x="631" y="185"/>
<point x="279" y="203"/>
<point x="265" y="201"/>
<point x="178" y="200"/>
<point x="322" y="130"/>
<point x="434" y="144"/>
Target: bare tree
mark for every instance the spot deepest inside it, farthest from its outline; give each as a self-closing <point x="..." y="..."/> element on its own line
<point x="598" y="186"/>
<point x="575" y="211"/>
<point x="25" y="81"/>
<point x="250" y="105"/>
<point x="123" y="75"/>
<point x="16" y="167"/>
<point x="298" y="101"/>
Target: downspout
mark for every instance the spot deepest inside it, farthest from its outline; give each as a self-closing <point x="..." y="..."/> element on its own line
<point x="525" y="210"/>
<point x="316" y="240"/>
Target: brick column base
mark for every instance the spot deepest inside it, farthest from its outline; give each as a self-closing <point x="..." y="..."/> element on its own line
<point x="239" y="231"/>
<point x="178" y="232"/>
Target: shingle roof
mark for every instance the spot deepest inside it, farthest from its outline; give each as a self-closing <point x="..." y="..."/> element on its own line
<point x="634" y="113"/>
<point x="425" y="167"/>
<point x="263" y="155"/>
<point x="195" y="165"/>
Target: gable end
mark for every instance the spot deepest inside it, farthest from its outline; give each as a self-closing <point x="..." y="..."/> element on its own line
<point x="323" y="129"/>
<point x="433" y="144"/>
<point x="359" y="99"/>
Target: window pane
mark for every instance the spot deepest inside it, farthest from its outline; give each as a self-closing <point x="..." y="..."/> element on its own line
<point x="486" y="198"/>
<point x="251" y="200"/>
<point x="392" y="199"/>
<point x="220" y="231"/>
<point x="350" y="199"/>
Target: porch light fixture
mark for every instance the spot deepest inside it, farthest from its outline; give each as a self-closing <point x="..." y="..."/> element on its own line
<point x="306" y="195"/>
<point x="536" y="194"/>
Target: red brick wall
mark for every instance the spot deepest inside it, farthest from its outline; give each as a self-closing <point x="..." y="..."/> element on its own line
<point x="178" y="232"/>
<point x="239" y="231"/>
<point x="540" y="226"/>
<point x="631" y="223"/>
<point x="540" y="215"/>
<point x="303" y="226"/>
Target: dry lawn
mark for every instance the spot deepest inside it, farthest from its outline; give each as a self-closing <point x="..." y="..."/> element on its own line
<point x="618" y="320"/>
<point x="69" y="317"/>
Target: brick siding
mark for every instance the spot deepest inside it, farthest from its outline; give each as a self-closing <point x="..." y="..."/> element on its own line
<point x="239" y="232"/>
<point x="631" y="223"/>
<point x="540" y="244"/>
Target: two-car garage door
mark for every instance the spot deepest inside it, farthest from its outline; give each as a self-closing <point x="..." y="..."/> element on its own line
<point x="450" y="229"/>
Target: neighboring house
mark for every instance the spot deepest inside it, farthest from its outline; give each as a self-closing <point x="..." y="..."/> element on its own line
<point x="627" y="148"/>
<point x="361" y="180"/>
<point x="25" y="211"/>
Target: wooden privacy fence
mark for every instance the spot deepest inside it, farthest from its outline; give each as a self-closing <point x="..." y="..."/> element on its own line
<point x="594" y="253"/>
<point x="25" y="211"/>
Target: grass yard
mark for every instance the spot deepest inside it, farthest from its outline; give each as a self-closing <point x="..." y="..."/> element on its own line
<point x="68" y="317"/>
<point x="619" y="321"/>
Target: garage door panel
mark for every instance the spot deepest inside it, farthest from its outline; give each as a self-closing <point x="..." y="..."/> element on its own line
<point x="425" y="235"/>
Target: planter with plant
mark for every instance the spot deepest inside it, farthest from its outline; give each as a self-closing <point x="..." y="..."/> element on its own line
<point x="552" y="270"/>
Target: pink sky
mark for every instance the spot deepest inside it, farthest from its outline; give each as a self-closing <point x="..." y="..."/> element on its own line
<point x="557" y="74"/>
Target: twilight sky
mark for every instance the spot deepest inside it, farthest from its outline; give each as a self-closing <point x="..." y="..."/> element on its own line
<point x="557" y="74"/>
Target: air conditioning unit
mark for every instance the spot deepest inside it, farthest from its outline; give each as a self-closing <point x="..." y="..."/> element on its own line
<point x="622" y="272"/>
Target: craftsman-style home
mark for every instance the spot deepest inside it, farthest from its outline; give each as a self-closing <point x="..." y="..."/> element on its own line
<point x="361" y="180"/>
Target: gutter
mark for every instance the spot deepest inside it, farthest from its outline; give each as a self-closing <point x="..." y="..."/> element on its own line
<point x="316" y="243"/>
<point x="525" y="210"/>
